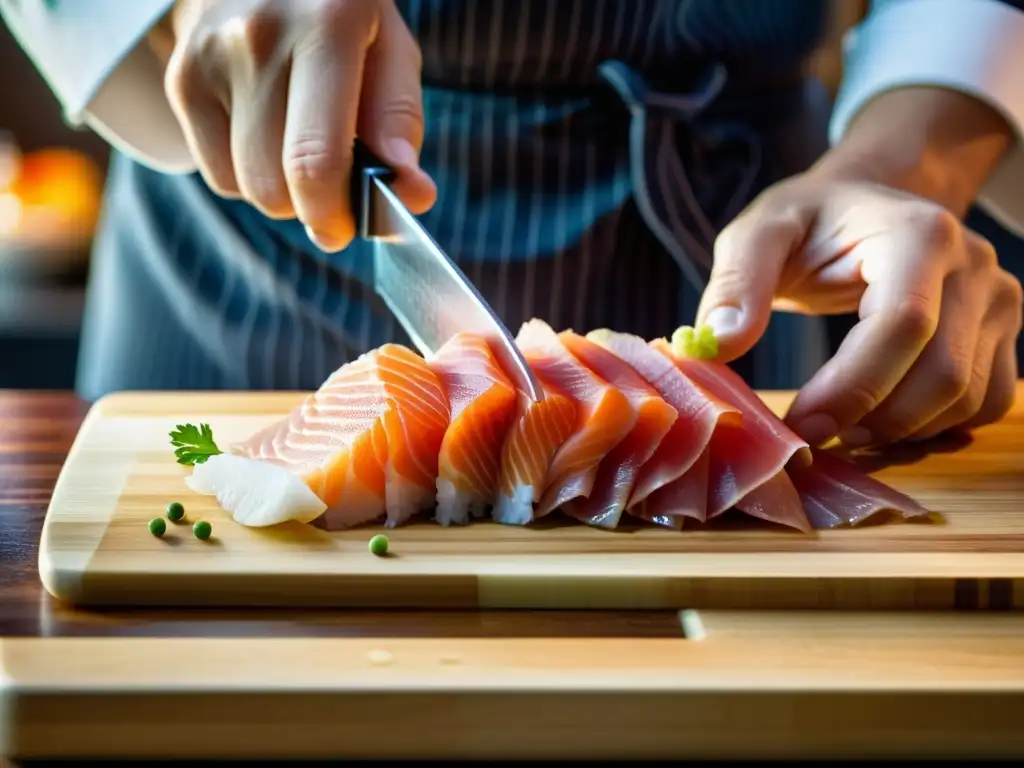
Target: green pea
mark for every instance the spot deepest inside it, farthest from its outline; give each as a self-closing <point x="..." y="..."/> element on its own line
<point x="175" y="511"/>
<point x="379" y="545"/>
<point x="202" y="530"/>
<point x="157" y="526"/>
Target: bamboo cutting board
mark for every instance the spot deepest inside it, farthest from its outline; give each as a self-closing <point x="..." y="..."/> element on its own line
<point x="120" y="473"/>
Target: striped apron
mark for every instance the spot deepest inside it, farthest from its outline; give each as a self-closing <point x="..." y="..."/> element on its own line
<point x="586" y="153"/>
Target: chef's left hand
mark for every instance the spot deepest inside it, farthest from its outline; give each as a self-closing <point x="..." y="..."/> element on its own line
<point x="934" y="348"/>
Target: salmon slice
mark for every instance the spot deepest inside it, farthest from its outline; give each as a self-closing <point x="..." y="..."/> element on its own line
<point x="604" y="416"/>
<point x="837" y="492"/>
<point x="700" y="415"/>
<point x="482" y="402"/>
<point x="367" y="441"/>
<point x="746" y="454"/>
<point x="538" y="430"/>
<point x="618" y="470"/>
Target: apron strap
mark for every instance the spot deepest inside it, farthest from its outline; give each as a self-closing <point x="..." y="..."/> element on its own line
<point x="664" y="190"/>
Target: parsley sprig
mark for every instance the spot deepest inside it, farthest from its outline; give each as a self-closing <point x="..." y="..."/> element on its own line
<point x="192" y="444"/>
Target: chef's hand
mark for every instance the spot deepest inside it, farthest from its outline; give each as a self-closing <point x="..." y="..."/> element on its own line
<point x="934" y="348"/>
<point x="271" y="94"/>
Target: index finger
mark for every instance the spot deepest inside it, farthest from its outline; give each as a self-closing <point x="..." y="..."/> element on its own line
<point x="320" y="128"/>
<point x="899" y="313"/>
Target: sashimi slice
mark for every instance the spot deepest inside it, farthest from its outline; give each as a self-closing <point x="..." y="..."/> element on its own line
<point x="367" y="441"/>
<point x="700" y="413"/>
<point x="255" y="493"/>
<point x="482" y="402"/>
<point x="538" y="430"/>
<point x="604" y="416"/>
<point x="687" y="496"/>
<point x="777" y="501"/>
<point x="618" y="470"/>
<point x="836" y="492"/>
<point x="744" y="454"/>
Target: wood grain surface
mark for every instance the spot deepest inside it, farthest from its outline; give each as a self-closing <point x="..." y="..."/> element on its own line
<point x="207" y="682"/>
<point x="96" y="548"/>
<point x="818" y="685"/>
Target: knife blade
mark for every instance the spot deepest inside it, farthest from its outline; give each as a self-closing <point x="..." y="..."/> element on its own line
<point x="426" y="291"/>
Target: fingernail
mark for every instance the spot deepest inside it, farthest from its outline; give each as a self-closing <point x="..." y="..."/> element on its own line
<point x="856" y="437"/>
<point x="817" y="428"/>
<point x="724" y="320"/>
<point x="401" y="152"/>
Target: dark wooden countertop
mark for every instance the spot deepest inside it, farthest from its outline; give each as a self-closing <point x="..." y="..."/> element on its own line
<point x="36" y="431"/>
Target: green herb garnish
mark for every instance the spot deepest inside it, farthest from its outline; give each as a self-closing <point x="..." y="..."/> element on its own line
<point x="175" y="511"/>
<point x="699" y="343"/>
<point x="192" y="444"/>
<point x="202" y="530"/>
<point x="379" y="545"/>
<point x="157" y="526"/>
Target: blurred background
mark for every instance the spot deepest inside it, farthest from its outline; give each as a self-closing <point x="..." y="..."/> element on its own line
<point x="51" y="182"/>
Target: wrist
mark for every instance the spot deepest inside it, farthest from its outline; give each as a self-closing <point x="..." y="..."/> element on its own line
<point x="936" y="143"/>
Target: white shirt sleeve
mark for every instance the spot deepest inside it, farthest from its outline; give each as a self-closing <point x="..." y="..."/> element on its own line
<point x="90" y="55"/>
<point x="972" y="46"/>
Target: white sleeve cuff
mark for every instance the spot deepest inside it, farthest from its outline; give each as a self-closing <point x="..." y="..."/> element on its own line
<point x="972" y="46"/>
<point x="88" y="52"/>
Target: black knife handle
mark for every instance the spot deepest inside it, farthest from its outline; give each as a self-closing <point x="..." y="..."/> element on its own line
<point x="366" y="166"/>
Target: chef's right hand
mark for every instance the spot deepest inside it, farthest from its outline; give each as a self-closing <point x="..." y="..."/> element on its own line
<point x="270" y="95"/>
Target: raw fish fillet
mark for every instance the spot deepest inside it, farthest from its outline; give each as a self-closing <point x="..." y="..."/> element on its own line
<point x="700" y="416"/>
<point x="538" y="430"/>
<point x="686" y="496"/>
<point x="744" y="454"/>
<point x="777" y="501"/>
<point x="482" y="402"/>
<point x="603" y="414"/>
<point x="255" y="493"/>
<point x="618" y="470"/>
<point x="367" y="441"/>
<point x="836" y="492"/>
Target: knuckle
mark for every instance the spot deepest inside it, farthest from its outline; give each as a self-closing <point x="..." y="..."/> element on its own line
<point x="860" y="399"/>
<point x="940" y="228"/>
<point x="727" y="238"/>
<point x="981" y="251"/>
<point x="261" y="32"/>
<point x="971" y="403"/>
<point x="913" y="320"/>
<point x="404" y="108"/>
<point x="1012" y="294"/>
<point x="729" y="278"/>
<point x="783" y="215"/>
<point x="951" y="376"/>
<point x="181" y="78"/>
<point x="311" y="162"/>
<point x="191" y="71"/>
<point x="346" y="16"/>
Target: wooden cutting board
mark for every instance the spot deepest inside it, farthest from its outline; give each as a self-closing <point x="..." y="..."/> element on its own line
<point x="772" y="684"/>
<point x="96" y="548"/>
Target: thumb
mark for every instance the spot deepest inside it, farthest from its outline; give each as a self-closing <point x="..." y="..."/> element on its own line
<point x="391" y="109"/>
<point x="749" y="257"/>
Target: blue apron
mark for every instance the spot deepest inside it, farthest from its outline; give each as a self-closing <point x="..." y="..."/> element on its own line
<point x="586" y="154"/>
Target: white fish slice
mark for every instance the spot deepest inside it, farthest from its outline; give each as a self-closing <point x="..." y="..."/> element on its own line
<point x="255" y="493"/>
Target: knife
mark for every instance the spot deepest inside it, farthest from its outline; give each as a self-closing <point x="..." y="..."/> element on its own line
<point x="425" y="290"/>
